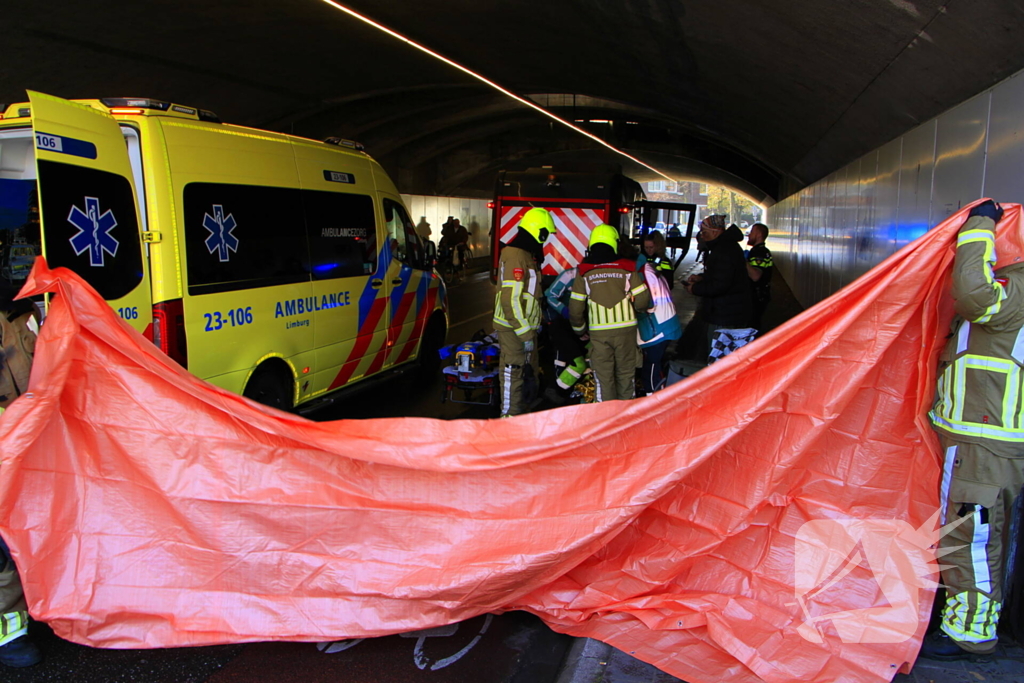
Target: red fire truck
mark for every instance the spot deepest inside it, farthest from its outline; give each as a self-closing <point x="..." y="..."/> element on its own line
<point x="580" y="199"/>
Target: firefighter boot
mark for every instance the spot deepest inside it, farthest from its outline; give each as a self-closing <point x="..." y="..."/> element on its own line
<point x="20" y="652"/>
<point x="938" y="645"/>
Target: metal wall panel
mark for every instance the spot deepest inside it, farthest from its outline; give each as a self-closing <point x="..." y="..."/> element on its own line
<point x="832" y="257"/>
<point x="832" y="261"/>
<point x="959" y="157"/>
<point x="1004" y="172"/>
<point x="878" y="236"/>
<point x="864" y="240"/>
<point x="887" y="198"/>
<point x="916" y="168"/>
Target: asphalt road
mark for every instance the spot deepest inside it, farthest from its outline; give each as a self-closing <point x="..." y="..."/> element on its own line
<point x="511" y="648"/>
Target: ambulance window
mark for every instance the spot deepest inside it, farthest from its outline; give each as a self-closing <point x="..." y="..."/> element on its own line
<point x="91" y="226"/>
<point x="342" y="233"/>
<point x="243" y="236"/>
<point x="406" y="245"/>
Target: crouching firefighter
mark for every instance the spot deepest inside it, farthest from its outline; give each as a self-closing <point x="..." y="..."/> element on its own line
<point x="17" y="345"/>
<point x="606" y="295"/>
<point x="570" y="354"/>
<point x="517" y="310"/>
<point x="979" y="418"/>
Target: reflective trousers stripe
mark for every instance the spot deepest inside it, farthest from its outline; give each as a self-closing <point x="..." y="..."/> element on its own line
<point x="506" y="396"/>
<point x="979" y="554"/>
<point x="13" y="625"/>
<point x="959" y="625"/>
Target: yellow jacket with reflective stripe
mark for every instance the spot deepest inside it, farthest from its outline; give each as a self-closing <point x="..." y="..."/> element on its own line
<point x="517" y="303"/>
<point x="607" y="296"/>
<point x="981" y="370"/>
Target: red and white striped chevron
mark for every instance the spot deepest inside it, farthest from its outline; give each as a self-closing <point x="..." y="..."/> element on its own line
<point x="567" y="246"/>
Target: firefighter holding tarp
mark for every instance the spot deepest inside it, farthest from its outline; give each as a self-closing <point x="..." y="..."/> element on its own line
<point x="978" y="417"/>
<point x="17" y="346"/>
<point x="606" y="295"/>
<point x="517" y="310"/>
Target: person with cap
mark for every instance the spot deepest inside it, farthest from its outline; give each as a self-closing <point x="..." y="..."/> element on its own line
<point x="606" y="295"/>
<point x="17" y="347"/>
<point x="517" y="309"/>
<point x="978" y="416"/>
<point x="724" y="287"/>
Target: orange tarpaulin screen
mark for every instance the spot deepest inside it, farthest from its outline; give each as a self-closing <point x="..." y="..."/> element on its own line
<point x="149" y="509"/>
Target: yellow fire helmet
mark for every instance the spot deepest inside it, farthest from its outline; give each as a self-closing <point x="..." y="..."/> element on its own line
<point x="538" y="222"/>
<point x="605" y="234"/>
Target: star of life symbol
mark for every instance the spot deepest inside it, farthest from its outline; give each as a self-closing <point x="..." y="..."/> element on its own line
<point x="221" y="228"/>
<point x="899" y="557"/>
<point x="93" y="231"/>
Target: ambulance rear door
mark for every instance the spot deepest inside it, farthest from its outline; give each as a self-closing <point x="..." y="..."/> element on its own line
<point x="88" y="203"/>
<point x="410" y="277"/>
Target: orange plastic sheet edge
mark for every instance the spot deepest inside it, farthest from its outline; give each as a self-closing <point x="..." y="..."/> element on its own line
<point x="146" y="508"/>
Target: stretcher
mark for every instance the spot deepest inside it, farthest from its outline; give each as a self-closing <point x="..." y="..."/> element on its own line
<point x="474" y="372"/>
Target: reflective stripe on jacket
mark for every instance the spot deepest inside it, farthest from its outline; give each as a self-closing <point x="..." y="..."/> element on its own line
<point x="516" y="304"/>
<point x="980" y="395"/>
<point x="606" y="296"/>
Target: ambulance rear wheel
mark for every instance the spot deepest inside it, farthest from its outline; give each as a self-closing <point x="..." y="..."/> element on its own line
<point x="271" y="386"/>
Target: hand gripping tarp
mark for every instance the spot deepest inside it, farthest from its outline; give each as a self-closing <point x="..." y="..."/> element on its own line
<point x="149" y="509"/>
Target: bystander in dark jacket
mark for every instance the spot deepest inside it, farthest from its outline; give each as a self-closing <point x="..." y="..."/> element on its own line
<point x="724" y="288"/>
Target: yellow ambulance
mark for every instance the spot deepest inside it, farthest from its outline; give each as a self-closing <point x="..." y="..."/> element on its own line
<point x="274" y="266"/>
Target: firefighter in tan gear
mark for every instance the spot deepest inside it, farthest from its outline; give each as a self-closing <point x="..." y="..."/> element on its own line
<point x="517" y="312"/>
<point x="606" y="295"/>
<point x="17" y="346"/>
<point x="979" y="419"/>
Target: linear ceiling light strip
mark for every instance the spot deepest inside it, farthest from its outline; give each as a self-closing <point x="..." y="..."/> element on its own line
<point x="490" y="83"/>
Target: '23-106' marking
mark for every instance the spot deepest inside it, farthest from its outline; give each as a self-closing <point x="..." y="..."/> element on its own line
<point x="234" y="318"/>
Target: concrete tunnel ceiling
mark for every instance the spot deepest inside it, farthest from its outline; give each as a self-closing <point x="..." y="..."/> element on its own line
<point x="762" y="96"/>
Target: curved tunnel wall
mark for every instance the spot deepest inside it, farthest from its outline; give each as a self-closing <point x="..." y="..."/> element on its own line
<point x="833" y="231"/>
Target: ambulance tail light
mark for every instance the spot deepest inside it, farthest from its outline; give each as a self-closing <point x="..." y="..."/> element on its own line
<point x="169" y="330"/>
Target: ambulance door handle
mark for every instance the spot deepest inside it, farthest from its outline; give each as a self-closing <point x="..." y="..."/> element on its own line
<point x="376" y="283"/>
<point x="397" y="281"/>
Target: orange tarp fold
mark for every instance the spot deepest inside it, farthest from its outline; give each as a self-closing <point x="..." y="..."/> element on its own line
<point x="147" y="508"/>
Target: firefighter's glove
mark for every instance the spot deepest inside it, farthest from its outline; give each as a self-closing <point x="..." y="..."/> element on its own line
<point x="528" y="346"/>
<point x="988" y="209"/>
